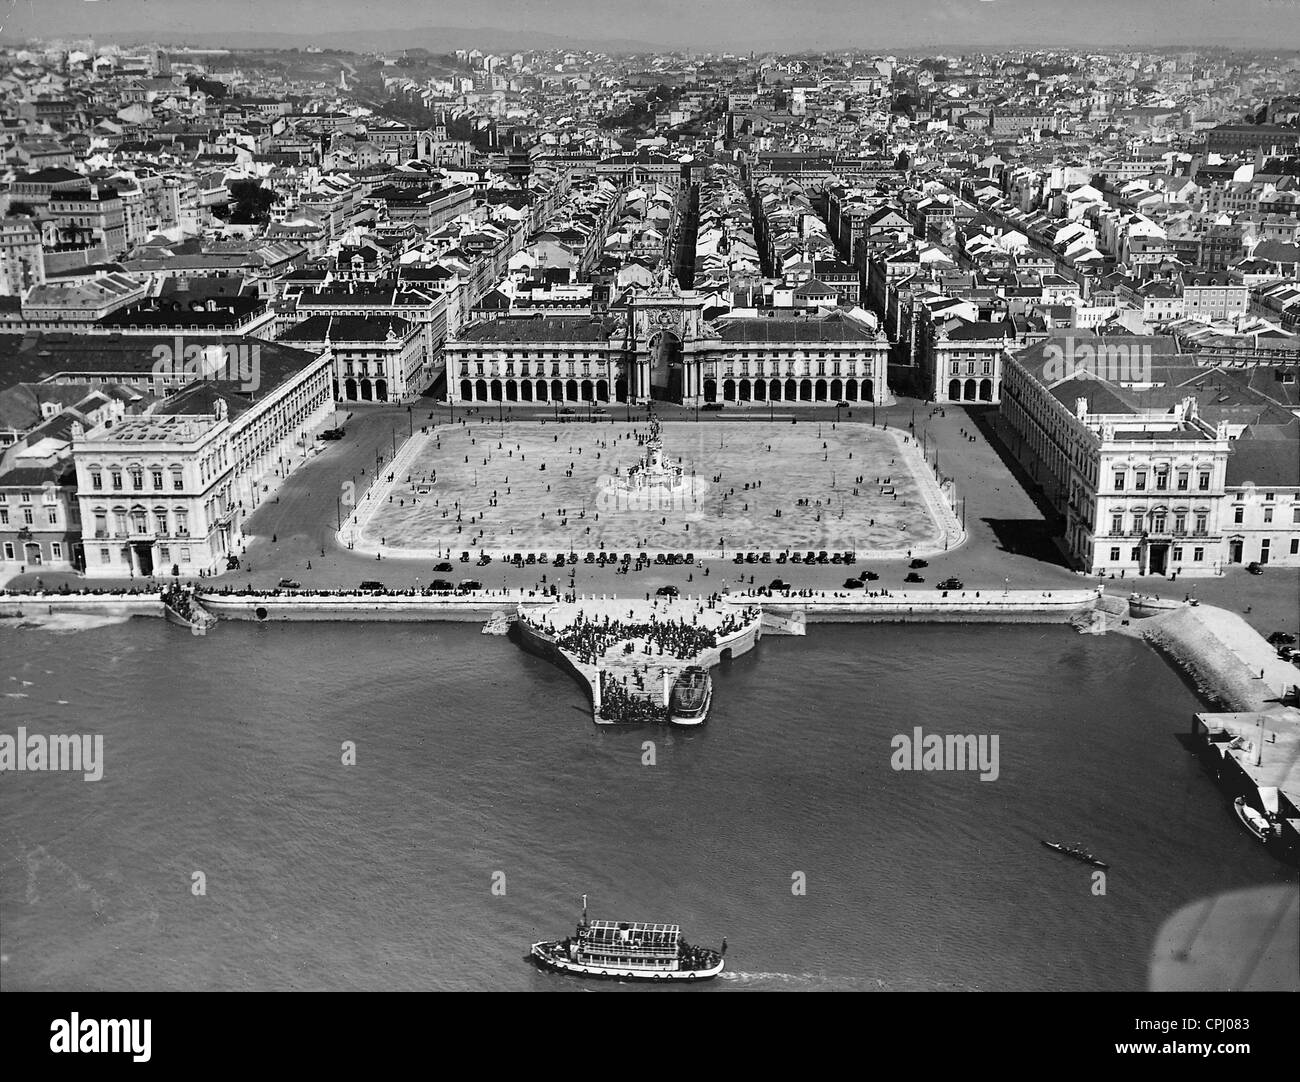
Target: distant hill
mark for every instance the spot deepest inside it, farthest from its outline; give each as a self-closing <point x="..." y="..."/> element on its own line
<point x="435" y="39"/>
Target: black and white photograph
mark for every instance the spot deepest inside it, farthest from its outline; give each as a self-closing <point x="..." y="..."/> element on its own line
<point x="659" y="496"/>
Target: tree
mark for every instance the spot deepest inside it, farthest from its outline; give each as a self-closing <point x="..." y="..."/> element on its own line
<point x="250" y="202"/>
<point x="213" y="89"/>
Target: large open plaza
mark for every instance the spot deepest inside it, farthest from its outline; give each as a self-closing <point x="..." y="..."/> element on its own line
<point x="536" y="486"/>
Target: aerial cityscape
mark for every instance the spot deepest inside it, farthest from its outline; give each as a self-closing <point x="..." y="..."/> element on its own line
<point x="808" y="503"/>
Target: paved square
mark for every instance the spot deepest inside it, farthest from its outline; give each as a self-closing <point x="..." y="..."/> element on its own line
<point x="551" y="487"/>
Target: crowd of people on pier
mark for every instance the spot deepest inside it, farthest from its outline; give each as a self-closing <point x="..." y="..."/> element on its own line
<point x="590" y="639"/>
<point x="620" y="704"/>
<point x="181" y="602"/>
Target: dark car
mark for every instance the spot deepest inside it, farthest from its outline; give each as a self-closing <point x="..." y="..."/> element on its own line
<point x="778" y="584"/>
<point x="853" y="584"/>
<point x="469" y="584"/>
<point x="372" y="586"/>
<point x="1281" y="638"/>
<point x="442" y="584"/>
<point x="841" y="405"/>
<point x="599" y="411"/>
<point x="289" y="584"/>
<point x="443" y="567"/>
<point x="568" y="411"/>
<point x="951" y="584"/>
<point x="333" y="434"/>
<point x="912" y="576"/>
<point x="668" y="591"/>
<point x="868" y="576"/>
<point x="1255" y="568"/>
<point x="712" y="407"/>
<point x="918" y="563"/>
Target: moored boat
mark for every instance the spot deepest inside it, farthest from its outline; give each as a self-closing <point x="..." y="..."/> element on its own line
<point x="628" y="951"/>
<point x="1077" y="852"/>
<point x="1253" y="820"/>
<point x="691" y="696"/>
<point x="182" y="608"/>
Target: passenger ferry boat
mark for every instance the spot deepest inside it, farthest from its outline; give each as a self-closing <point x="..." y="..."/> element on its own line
<point x="628" y="951"/>
<point x="691" y="696"/>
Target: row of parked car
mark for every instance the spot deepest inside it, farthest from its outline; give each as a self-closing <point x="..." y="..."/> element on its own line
<point x="1285" y="645"/>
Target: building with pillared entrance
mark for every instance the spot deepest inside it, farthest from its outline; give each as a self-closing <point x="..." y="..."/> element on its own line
<point x="657" y="344"/>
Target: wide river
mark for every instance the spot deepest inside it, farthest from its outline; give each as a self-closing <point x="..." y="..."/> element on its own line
<point x="483" y="802"/>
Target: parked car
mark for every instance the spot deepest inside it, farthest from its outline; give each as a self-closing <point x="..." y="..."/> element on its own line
<point x="712" y="407"/>
<point x="443" y="567"/>
<point x="1281" y="638"/>
<point x="442" y="584"/>
<point x="289" y="584"/>
<point x="469" y="584"/>
<point x="853" y="584"/>
<point x="668" y="591"/>
<point x="912" y="576"/>
<point x="842" y="405"/>
<point x="778" y="584"/>
<point x="599" y="411"/>
<point x="568" y="411"/>
<point x="918" y="563"/>
<point x="372" y="586"/>
<point x="1255" y="567"/>
<point x="333" y="434"/>
<point x="868" y="576"/>
<point x="951" y="584"/>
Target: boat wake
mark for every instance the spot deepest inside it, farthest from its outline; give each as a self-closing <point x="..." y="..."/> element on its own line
<point x="858" y="983"/>
<point x="71" y="621"/>
<point x="800" y="978"/>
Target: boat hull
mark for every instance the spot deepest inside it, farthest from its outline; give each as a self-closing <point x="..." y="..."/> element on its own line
<point x="692" y="718"/>
<point x="1256" y="823"/>
<point x="683" y="712"/>
<point x="550" y="956"/>
<point x="1081" y="858"/>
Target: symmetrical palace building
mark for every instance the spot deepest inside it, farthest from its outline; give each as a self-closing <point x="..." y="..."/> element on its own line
<point x="657" y="344"/>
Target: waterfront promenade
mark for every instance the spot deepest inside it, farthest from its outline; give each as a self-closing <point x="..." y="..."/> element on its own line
<point x="293" y="533"/>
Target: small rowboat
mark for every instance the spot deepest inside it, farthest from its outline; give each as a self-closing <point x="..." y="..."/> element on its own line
<point x="1077" y="853"/>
